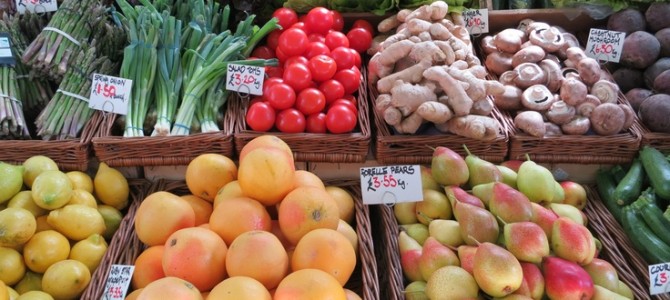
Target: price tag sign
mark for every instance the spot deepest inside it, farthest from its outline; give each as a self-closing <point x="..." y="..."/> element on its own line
<point x="6" y="57"/>
<point x="117" y="283"/>
<point x="245" y="79"/>
<point x="605" y="45"/>
<point x="110" y="94"/>
<point x="659" y="277"/>
<point x="476" y="20"/>
<point x="36" y="6"/>
<point x="391" y="184"/>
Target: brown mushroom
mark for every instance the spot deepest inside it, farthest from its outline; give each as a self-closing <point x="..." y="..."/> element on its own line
<point x="577" y="126"/>
<point x="586" y="108"/>
<point x="550" y="39"/>
<point x="487" y="45"/>
<point x="589" y="70"/>
<point x="553" y="58"/>
<point x="509" y="40"/>
<point x="529" y="74"/>
<point x="573" y="91"/>
<point x="498" y="62"/>
<point x="510" y="99"/>
<point x="530" y="54"/>
<point x="551" y="129"/>
<point x="535" y="26"/>
<point x="523" y="24"/>
<point x="607" y="119"/>
<point x="570" y="73"/>
<point x="530" y="122"/>
<point x="525" y="45"/>
<point x="570" y="41"/>
<point x="537" y="98"/>
<point x="560" y="113"/>
<point x="508" y="77"/>
<point x="605" y="91"/>
<point x="574" y="55"/>
<point x="554" y="74"/>
<point x="630" y="116"/>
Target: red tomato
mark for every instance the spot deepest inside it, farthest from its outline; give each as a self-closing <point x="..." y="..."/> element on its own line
<point x="363" y="24"/>
<point x="296" y="59"/>
<point x="359" y="39"/>
<point x="290" y="121"/>
<point x="302" y="26"/>
<point x="274" y="72"/>
<point x="357" y="58"/>
<point x="293" y="42"/>
<point x="310" y="101"/>
<point x="286" y="17"/>
<point x="315" y="37"/>
<point x="338" y="20"/>
<point x="351" y="98"/>
<point x="347" y="103"/>
<point x="298" y="76"/>
<point x="343" y="58"/>
<point x="260" y="116"/>
<point x="280" y="96"/>
<point x="273" y="39"/>
<point x="316" y="123"/>
<point x="323" y="67"/>
<point x="349" y="78"/>
<point x="319" y="20"/>
<point x="316" y="48"/>
<point x="269" y="82"/>
<point x="263" y="52"/>
<point x="340" y="119"/>
<point x="256" y="99"/>
<point x="332" y="90"/>
<point x="281" y="56"/>
<point x="336" y="39"/>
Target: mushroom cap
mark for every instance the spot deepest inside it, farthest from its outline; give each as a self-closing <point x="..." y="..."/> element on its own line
<point x="560" y="113"/>
<point x="529" y="74"/>
<point x="579" y="125"/>
<point x="550" y="39"/>
<point x="554" y="74"/>
<point x="537" y="98"/>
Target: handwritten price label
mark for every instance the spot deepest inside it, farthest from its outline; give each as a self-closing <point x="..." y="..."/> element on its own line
<point x="391" y="184"/>
<point x="659" y="275"/>
<point x="605" y="45"/>
<point x="36" y="6"/>
<point x="110" y="94"/>
<point x="117" y="283"/>
<point x="245" y="79"/>
<point x="476" y="20"/>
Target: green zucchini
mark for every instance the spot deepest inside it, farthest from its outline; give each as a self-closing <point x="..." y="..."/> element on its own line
<point x="666" y="214"/>
<point x="653" y="217"/>
<point x="630" y="186"/>
<point x="657" y="168"/>
<point x="619" y="172"/>
<point x="652" y="249"/>
<point x="606" y="186"/>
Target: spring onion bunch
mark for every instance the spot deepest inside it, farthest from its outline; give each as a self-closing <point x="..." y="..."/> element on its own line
<point x="169" y="82"/>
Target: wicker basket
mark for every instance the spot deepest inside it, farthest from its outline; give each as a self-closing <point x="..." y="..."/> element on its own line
<point x="118" y="151"/>
<point x="69" y="155"/>
<point x="316" y="147"/>
<point x="363" y="281"/>
<point x="616" y="249"/>
<point x="393" y="148"/>
<point x="658" y="140"/>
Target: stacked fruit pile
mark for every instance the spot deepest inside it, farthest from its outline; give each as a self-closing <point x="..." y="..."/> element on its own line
<point x="53" y="230"/>
<point x="519" y="234"/>
<point x="247" y="231"/>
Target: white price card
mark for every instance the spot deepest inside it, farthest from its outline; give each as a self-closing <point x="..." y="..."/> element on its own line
<point x="659" y="277"/>
<point x="6" y="57"/>
<point x="476" y="20"/>
<point x="118" y="281"/>
<point x="245" y="79"/>
<point x="36" y="6"/>
<point x="391" y="184"/>
<point x="605" y="45"/>
<point x="110" y="94"/>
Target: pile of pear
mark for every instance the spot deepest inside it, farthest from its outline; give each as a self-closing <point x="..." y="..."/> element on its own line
<point x="508" y="231"/>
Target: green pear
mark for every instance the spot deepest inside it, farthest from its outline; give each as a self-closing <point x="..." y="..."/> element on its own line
<point x="405" y="212"/>
<point x="536" y="182"/>
<point x="434" y="255"/>
<point x="514" y="297"/>
<point x="568" y="211"/>
<point x="509" y="204"/>
<point x="624" y="290"/>
<point x="427" y="180"/>
<point x="497" y="272"/>
<point x="477" y="225"/>
<point x="448" y="167"/>
<point x="417" y="231"/>
<point x="603" y="274"/>
<point x="508" y="176"/>
<point x="416" y="290"/>
<point x="601" y="293"/>
<point x="410" y="252"/>
<point x="572" y="241"/>
<point x="447" y="232"/>
<point x="481" y="171"/>
<point x="526" y="241"/>
<point x="484" y="192"/>
<point x="559" y="194"/>
<point x="451" y="282"/>
<point x="435" y="205"/>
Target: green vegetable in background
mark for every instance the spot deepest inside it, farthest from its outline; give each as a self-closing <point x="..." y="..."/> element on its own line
<point x="378" y="7"/>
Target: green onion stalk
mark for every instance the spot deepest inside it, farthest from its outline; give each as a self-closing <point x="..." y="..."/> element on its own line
<point x="169" y="82"/>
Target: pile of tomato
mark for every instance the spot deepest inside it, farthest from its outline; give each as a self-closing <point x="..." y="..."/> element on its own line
<point x="312" y="90"/>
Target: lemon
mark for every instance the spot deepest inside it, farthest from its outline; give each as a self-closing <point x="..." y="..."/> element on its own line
<point x="30" y="282"/>
<point x="80" y="196"/>
<point x="4" y="291"/>
<point x="52" y="190"/>
<point x="24" y="199"/>
<point x="111" y="187"/>
<point x="44" y="249"/>
<point x="77" y="221"/>
<point x="12" y="267"/>
<point x="17" y="225"/>
<point x="112" y="217"/>
<point x="13" y="295"/>
<point x="34" y="166"/>
<point x="90" y="251"/>
<point x="42" y="224"/>
<point x="11" y="182"/>
<point x="66" y="279"/>
<point x="35" y="295"/>
<point x="81" y="180"/>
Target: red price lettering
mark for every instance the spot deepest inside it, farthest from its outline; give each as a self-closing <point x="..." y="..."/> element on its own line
<point x="248" y="79"/>
<point x="604" y="48"/>
<point x="34" y="1"/>
<point x="115" y="292"/>
<point x="105" y="90"/>
<point x="474" y="22"/>
<point x="376" y="182"/>
<point x="663" y="277"/>
<point x="237" y="79"/>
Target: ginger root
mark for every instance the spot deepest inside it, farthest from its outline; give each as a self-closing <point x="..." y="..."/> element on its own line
<point x="412" y="74"/>
<point x="459" y="101"/>
<point x="434" y="111"/>
<point x="410" y="124"/>
<point x="406" y="97"/>
<point x="472" y="126"/>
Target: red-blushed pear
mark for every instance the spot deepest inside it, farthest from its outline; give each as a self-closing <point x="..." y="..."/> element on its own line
<point x="477" y="225"/>
<point x="575" y="194"/>
<point x="566" y="280"/>
<point x="497" y="272"/>
<point x="544" y="217"/>
<point x="448" y="167"/>
<point x="434" y="256"/>
<point x="512" y="164"/>
<point x="572" y="241"/>
<point x="527" y="241"/>
<point x="533" y="279"/>
<point x="466" y="255"/>
<point x="410" y="252"/>
<point x="427" y="180"/>
<point x="457" y="194"/>
<point x="509" y="204"/>
<point x="603" y="274"/>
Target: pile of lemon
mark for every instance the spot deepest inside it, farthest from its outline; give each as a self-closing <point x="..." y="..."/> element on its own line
<point x="55" y="227"/>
